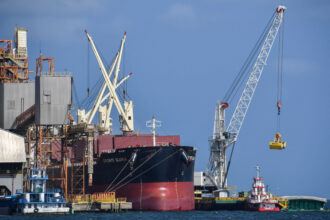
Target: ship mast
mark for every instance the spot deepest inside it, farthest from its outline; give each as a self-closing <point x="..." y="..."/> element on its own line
<point x="258" y="171"/>
<point x="153" y="124"/>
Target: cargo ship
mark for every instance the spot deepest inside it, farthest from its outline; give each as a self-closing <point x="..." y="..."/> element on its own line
<point x="158" y="178"/>
<point x="153" y="172"/>
<point x="154" y="177"/>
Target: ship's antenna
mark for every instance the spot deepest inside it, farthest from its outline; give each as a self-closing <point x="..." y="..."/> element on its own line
<point x="258" y="171"/>
<point x="153" y="124"/>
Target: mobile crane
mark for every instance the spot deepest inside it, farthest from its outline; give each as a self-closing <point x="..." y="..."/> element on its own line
<point x="223" y="138"/>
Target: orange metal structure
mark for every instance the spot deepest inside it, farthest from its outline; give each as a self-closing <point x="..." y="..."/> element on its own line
<point x="12" y="68"/>
<point x="39" y="62"/>
<point x="46" y="151"/>
<point x="6" y="46"/>
<point x="78" y="177"/>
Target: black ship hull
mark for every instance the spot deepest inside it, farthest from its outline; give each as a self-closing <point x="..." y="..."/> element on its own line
<point x="152" y="178"/>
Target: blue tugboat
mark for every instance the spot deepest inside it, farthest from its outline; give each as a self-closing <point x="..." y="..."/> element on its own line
<point x="39" y="200"/>
<point x="7" y="204"/>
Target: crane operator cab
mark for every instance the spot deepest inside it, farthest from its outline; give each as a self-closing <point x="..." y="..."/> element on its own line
<point x="277" y="144"/>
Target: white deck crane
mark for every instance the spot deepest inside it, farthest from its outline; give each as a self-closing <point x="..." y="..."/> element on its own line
<point x="223" y="138"/>
<point x="126" y="113"/>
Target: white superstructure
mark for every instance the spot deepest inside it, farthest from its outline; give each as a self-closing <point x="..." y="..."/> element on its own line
<point x="21" y="42"/>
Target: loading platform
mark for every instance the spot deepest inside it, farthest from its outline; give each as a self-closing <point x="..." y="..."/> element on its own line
<point x="98" y="202"/>
<point x="205" y="201"/>
<point x="285" y="203"/>
<point x="227" y="203"/>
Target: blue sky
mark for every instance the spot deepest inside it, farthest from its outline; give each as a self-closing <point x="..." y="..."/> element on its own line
<point x="184" y="55"/>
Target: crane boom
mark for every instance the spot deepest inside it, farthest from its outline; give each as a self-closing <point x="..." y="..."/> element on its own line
<point x="118" y="84"/>
<point x="98" y="100"/>
<point x="127" y="124"/>
<point x="223" y="138"/>
<point x="115" y="78"/>
<point x="242" y="107"/>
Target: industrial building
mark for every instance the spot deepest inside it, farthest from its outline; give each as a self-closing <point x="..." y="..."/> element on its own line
<point x="33" y="114"/>
<point x="12" y="159"/>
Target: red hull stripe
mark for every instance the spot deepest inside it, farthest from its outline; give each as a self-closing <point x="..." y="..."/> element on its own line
<point x="268" y="210"/>
<point x="276" y="209"/>
<point x="163" y="196"/>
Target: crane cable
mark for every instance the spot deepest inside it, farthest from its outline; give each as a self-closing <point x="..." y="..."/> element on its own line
<point x="228" y="165"/>
<point x="93" y="92"/>
<point x="242" y="74"/>
<point x="88" y="89"/>
<point x="280" y="78"/>
<point x="75" y="93"/>
<point x="238" y="81"/>
<point x="88" y="66"/>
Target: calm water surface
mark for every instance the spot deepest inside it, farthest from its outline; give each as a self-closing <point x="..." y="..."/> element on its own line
<point x="181" y="215"/>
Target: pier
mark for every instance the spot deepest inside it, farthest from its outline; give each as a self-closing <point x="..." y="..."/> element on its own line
<point x="105" y="202"/>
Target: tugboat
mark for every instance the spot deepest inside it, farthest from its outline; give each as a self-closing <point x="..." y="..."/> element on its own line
<point x="39" y="200"/>
<point x="259" y="200"/>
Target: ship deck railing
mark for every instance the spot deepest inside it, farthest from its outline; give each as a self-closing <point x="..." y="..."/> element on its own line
<point x="230" y="198"/>
<point x="109" y="197"/>
<point x="121" y="200"/>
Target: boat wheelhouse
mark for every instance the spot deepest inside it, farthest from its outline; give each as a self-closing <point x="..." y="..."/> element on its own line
<point x="259" y="199"/>
<point x="40" y="200"/>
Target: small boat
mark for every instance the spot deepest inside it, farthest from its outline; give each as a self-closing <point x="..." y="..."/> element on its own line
<point x="7" y="204"/>
<point x="259" y="199"/>
<point x="40" y="200"/>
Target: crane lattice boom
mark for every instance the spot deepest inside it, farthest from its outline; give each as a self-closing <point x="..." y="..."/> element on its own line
<point x="237" y="119"/>
<point x="223" y="138"/>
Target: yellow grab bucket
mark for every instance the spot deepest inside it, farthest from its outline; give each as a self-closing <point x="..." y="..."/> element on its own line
<point x="277" y="145"/>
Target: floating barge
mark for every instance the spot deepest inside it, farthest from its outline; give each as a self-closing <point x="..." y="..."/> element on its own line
<point x="285" y="203"/>
<point x="229" y="203"/>
<point x="205" y="201"/>
<point x="305" y="203"/>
